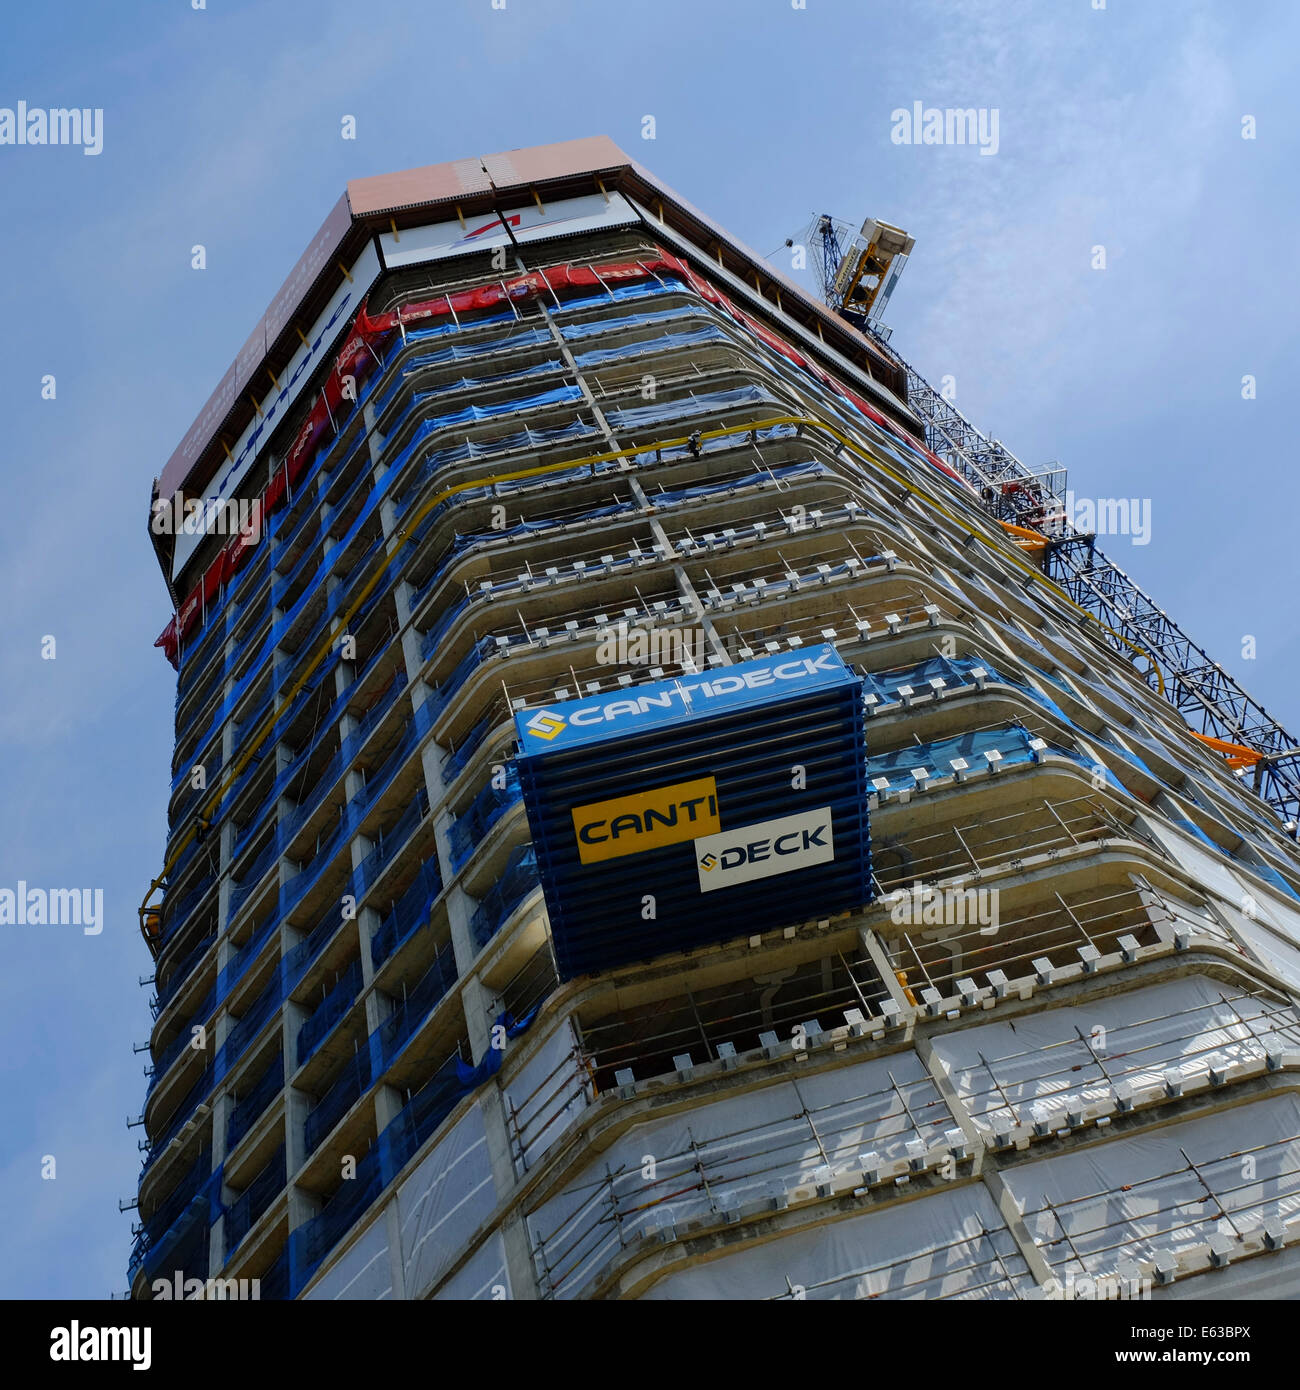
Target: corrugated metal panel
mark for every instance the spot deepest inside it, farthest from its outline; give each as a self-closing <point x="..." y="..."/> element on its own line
<point x="679" y="813"/>
<point x="537" y="164"/>
<point x="432" y="183"/>
<point x="501" y="175"/>
<point x="322" y="251"/>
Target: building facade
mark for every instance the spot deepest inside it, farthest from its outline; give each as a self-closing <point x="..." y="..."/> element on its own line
<point x="527" y="430"/>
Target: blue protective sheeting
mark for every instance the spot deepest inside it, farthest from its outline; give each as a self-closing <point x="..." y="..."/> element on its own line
<point x="1265" y="871"/>
<point x="688" y="406"/>
<point x="472" y="1077"/>
<point x="532" y="337"/>
<point x="575" y="332"/>
<point x="482" y="814"/>
<point x="1012" y="743"/>
<point x="666" y="342"/>
<point x="954" y="672"/>
<point x="456" y="762"/>
<point x="517" y="881"/>
<point x="809" y="469"/>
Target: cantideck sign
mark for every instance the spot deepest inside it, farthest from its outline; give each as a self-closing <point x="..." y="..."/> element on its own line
<point x="662" y="702"/>
<point x="681" y="812"/>
<point x="761" y="851"/>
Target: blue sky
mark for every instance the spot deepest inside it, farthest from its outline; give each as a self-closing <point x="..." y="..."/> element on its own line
<point x="1118" y="127"/>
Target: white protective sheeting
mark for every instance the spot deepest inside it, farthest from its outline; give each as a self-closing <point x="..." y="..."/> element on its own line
<point x="948" y="1244"/>
<point x="1199" y="859"/>
<point x="1214" y="871"/>
<point x="1277" y="954"/>
<point x="484" y="1274"/>
<point x="364" y="1272"/>
<point x="1032" y="1068"/>
<point x="747" y="1146"/>
<point x="549" y="1090"/>
<point x="1125" y="1200"/>
<point x="444" y="1202"/>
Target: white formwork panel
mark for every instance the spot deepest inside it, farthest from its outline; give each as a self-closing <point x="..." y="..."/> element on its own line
<point x="483" y="1276"/>
<point x="444" y="1202"/>
<point x="947" y="1244"/>
<point x="364" y="1271"/>
<point x="721" y="1155"/>
<point x="550" y="1089"/>
<point x="1003" y="1071"/>
<point x="1165" y="1189"/>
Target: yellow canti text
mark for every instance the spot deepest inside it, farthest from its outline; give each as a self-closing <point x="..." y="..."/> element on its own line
<point x="646" y="820"/>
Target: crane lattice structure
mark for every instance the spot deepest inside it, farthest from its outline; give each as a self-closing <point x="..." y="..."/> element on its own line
<point x="1199" y="688"/>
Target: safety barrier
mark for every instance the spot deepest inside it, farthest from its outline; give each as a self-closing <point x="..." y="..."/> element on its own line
<point x="247" y="1209"/>
<point x="233" y="971"/>
<point x="518" y="879"/>
<point x="352" y="1081"/>
<point x="423" y="1112"/>
<point x="337" y="1001"/>
<point x="179" y="1116"/>
<point x="184" y="1250"/>
<point x="755" y="1146"/>
<point x="1181" y="1199"/>
<point x="400" y="1026"/>
<point x="184" y="1039"/>
<point x="176" y="914"/>
<point x="1165" y="1034"/>
<point x="253" y="1104"/>
<point x="190" y="1184"/>
<point x="491" y="803"/>
<point x="391" y="841"/>
<point x="908" y="768"/>
<point x="1040" y="826"/>
<point x="300" y="956"/>
<point x="407" y="913"/>
<point x="249" y="1024"/>
<point x="469" y="745"/>
<point x="180" y="973"/>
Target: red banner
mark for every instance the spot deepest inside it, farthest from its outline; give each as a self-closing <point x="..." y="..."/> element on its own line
<point x="360" y="355"/>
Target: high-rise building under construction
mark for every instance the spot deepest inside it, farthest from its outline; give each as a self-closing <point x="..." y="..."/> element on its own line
<point x="640" y="826"/>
